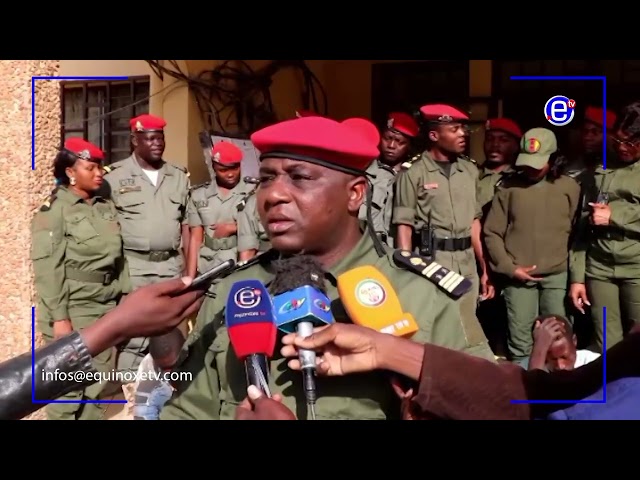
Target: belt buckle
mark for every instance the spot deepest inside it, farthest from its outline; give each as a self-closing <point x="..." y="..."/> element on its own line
<point x="108" y="277"/>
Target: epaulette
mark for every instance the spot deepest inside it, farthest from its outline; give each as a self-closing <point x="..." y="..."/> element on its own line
<point x="504" y="177"/>
<point x="447" y="280"/>
<point x="243" y="203"/>
<point x="200" y="185"/>
<point x="573" y="173"/>
<point x="261" y="257"/>
<point x="468" y="159"/>
<point x="407" y="165"/>
<point x="106" y="168"/>
<point x="46" y="205"/>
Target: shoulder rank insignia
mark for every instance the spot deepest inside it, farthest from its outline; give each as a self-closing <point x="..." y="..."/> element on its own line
<point x="574" y="173"/>
<point x="245" y="199"/>
<point x="46" y="205"/>
<point x="106" y="168"/>
<point x="259" y="258"/>
<point x="200" y="185"/>
<point x="447" y="280"/>
<point x="407" y="165"/>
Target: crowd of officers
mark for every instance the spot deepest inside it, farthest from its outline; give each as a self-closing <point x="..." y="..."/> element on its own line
<point x="537" y="232"/>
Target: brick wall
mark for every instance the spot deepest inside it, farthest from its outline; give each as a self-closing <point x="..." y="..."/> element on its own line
<point x="23" y="190"/>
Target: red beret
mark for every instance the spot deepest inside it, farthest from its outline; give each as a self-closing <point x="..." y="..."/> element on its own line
<point x="83" y="149"/>
<point x="504" y="125"/>
<point x="147" y="123"/>
<point x="443" y="114"/>
<point x="403" y="123"/>
<point x="594" y="115"/>
<point x="226" y="153"/>
<point x="365" y="128"/>
<point x="317" y="140"/>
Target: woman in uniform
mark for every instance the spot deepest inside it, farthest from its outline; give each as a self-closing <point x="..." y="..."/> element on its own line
<point x="527" y="237"/>
<point x="78" y="260"/>
<point x="605" y="270"/>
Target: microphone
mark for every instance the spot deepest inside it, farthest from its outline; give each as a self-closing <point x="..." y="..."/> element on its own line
<point x="252" y="330"/>
<point x="370" y="301"/>
<point x="300" y="304"/>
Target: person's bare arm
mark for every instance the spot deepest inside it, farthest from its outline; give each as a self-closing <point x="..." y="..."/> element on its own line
<point x="195" y="242"/>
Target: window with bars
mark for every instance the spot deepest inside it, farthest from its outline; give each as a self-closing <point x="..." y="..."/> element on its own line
<point x="100" y="112"/>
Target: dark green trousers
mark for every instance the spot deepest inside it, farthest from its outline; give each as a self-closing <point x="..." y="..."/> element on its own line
<point x="526" y="301"/>
<point x="621" y="297"/>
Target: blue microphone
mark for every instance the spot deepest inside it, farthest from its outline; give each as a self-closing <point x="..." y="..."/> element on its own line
<point x="250" y="322"/>
<point x="300" y="303"/>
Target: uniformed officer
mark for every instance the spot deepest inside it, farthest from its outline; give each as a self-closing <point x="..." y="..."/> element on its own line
<point x="527" y="236"/>
<point x="395" y="149"/>
<point x="312" y="184"/>
<point x="151" y="196"/>
<point x="582" y="168"/>
<point x="78" y="260"/>
<point x="252" y="236"/>
<point x="436" y="206"/>
<point x="213" y="210"/>
<point x="606" y="257"/>
<point x="501" y="148"/>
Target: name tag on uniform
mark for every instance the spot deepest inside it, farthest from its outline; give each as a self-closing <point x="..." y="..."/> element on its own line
<point x="130" y="189"/>
<point x="201" y="203"/>
<point x="430" y="186"/>
<point x="127" y="182"/>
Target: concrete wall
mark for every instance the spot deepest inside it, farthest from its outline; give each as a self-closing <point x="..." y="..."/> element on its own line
<point x="23" y="190"/>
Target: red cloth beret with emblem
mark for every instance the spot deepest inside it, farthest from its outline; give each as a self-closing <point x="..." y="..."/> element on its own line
<point x="403" y="123"/>
<point x="226" y="153"/>
<point x="147" y="123"/>
<point x="443" y="114"/>
<point x="83" y="149"/>
<point x="318" y="140"/>
<point x="594" y="115"/>
<point x="365" y="128"/>
<point x="504" y="125"/>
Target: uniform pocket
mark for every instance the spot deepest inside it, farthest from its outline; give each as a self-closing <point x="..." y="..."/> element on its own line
<point x="81" y="228"/>
<point x="130" y="204"/>
<point x="41" y="244"/>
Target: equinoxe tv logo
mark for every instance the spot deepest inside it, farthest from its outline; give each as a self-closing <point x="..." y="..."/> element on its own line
<point x="560" y="110"/>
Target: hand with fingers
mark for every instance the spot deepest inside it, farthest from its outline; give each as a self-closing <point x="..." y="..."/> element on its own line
<point x="259" y="407"/>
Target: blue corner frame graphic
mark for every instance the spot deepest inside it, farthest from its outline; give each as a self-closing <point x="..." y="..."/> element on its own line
<point x="33" y="308"/>
<point x="604" y="310"/>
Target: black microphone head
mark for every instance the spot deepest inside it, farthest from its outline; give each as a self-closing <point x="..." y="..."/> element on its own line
<point x="295" y="272"/>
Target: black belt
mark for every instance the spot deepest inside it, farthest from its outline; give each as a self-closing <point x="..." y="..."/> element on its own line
<point x="153" y="256"/>
<point x="452" y="244"/>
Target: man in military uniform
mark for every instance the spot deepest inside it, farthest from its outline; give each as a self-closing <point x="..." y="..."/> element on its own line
<point x="395" y="149"/>
<point x="213" y="211"/>
<point x="252" y="236"/>
<point x="436" y="208"/>
<point x="151" y="197"/>
<point x="312" y="184"/>
<point x="501" y="147"/>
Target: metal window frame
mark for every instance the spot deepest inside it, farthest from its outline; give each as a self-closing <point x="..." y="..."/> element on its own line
<point x="135" y="84"/>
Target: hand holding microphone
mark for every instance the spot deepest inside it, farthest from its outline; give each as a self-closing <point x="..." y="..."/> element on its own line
<point x="252" y="330"/>
<point x="300" y="304"/>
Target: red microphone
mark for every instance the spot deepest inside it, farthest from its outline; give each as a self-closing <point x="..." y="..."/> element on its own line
<point x="252" y="330"/>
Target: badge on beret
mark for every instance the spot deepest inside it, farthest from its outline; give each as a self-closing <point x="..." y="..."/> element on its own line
<point x="533" y="145"/>
<point x="390" y="123"/>
<point x="216" y="157"/>
<point x="445" y="118"/>
<point x="139" y="126"/>
<point x="84" y="154"/>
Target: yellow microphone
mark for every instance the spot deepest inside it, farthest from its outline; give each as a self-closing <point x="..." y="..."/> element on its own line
<point x="370" y="301"/>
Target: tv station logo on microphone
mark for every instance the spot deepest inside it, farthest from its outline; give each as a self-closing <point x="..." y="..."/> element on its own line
<point x="560" y="110"/>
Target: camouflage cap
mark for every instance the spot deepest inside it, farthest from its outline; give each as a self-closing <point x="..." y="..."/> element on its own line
<point x="536" y="146"/>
